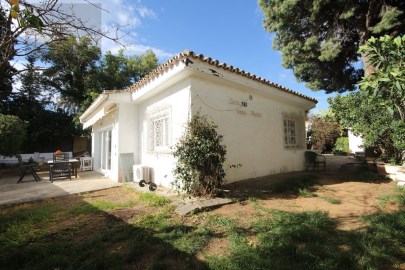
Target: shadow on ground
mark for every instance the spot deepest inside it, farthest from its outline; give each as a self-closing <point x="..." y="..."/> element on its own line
<point x="67" y="233"/>
<point x="287" y="185"/>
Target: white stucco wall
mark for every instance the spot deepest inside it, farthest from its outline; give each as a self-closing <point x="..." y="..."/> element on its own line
<point x="127" y="127"/>
<point x="253" y="135"/>
<point x="355" y="143"/>
<point x="177" y="97"/>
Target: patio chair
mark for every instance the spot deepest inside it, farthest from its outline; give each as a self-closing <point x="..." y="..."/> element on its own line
<point x="313" y="159"/>
<point x="60" y="168"/>
<point x="26" y="170"/>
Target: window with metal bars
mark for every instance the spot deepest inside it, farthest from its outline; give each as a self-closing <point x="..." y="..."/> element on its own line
<point x="159" y="130"/>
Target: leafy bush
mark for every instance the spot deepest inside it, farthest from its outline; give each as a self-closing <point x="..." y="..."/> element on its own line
<point x="368" y="117"/>
<point x="324" y="131"/>
<point x="13" y="131"/>
<point x="200" y="158"/>
<point x="341" y="146"/>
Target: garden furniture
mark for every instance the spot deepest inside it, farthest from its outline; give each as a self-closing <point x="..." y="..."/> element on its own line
<point x="60" y="167"/>
<point x="27" y="169"/>
<point x="315" y="160"/>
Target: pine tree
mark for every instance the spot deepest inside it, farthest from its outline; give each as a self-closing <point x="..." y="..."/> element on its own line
<point x="319" y="39"/>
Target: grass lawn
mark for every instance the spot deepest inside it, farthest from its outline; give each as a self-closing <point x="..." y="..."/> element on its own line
<point x="120" y="228"/>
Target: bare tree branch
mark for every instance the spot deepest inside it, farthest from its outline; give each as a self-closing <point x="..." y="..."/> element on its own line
<point x="57" y="21"/>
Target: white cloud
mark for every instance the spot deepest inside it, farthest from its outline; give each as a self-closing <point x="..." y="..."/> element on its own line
<point x="139" y="49"/>
<point x="132" y="48"/>
<point x="127" y="19"/>
<point x="146" y="12"/>
<point x="128" y="14"/>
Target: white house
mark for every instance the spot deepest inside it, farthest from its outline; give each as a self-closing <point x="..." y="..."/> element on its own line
<point x="355" y="143"/>
<point x="262" y="123"/>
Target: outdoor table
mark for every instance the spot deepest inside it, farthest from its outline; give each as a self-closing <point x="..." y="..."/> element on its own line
<point x="74" y="162"/>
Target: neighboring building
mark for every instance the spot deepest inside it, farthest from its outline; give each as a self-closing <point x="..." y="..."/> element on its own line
<point x="355" y="143"/>
<point x="262" y="123"/>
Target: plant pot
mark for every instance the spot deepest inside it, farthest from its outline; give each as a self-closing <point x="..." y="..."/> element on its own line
<point x="381" y="168"/>
<point x="372" y="166"/>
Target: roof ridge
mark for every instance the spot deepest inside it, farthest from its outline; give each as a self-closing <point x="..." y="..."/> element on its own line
<point x="187" y="53"/>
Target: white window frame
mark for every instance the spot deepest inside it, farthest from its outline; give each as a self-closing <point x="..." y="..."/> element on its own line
<point x="162" y="115"/>
<point x="292" y="131"/>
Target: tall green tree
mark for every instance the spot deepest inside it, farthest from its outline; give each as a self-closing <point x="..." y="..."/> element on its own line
<point x="114" y="72"/>
<point x="386" y="79"/>
<point x="141" y="65"/>
<point x="44" y="127"/>
<point x="6" y="70"/>
<point x="368" y="117"/>
<point x="72" y="62"/>
<point x="324" y="130"/>
<point x="53" y="20"/>
<point x="319" y="39"/>
<point x="118" y="72"/>
<point x="12" y="135"/>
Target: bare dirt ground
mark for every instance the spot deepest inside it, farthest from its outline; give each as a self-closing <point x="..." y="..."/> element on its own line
<point x="339" y="191"/>
<point x="339" y="182"/>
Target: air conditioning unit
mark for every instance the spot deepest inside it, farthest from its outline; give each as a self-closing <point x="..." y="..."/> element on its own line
<point x="141" y="172"/>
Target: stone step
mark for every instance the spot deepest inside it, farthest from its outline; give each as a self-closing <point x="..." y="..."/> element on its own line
<point x="184" y="209"/>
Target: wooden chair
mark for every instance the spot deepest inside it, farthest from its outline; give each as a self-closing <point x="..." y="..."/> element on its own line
<point x="60" y="168"/>
<point x="313" y="159"/>
<point x="26" y="170"/>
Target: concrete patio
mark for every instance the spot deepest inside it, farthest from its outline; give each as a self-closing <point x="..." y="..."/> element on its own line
<point x="29" y="190"/>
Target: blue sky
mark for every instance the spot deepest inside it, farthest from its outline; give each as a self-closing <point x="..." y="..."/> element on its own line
<point x="227" y="30"/>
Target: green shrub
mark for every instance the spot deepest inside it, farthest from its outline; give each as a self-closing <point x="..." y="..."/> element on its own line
<point x="341" y="146"/>
<point x="200" y="158"/>
<point x="12" y="134"/>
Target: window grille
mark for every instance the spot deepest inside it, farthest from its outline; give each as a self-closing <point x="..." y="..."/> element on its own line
<point x="159" y="129"/>
<point x="293" y="135"/>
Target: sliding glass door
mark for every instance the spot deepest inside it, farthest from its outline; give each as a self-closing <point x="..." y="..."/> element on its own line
<point x="106" y="150"/>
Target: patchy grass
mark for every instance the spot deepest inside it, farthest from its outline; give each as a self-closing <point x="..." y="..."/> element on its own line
<point x="398" y="197"/>
<point x="303" y="192"/>
<point x="151" y="199"/>
<point x="365" y="175"/>
<point x="253" y="199"/>
<point x="19" y="224"/>
<point x="87" y="232"/>
<point x="294" y="185"/>
<point x="298" y="241"/>
<point x="330" y="200"/>
<point x="97" y="206"/>
<point x="91" y="237"/>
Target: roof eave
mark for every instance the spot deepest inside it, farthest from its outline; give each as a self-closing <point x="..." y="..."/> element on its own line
<point x="185" y="57"/>
<point x="96" y="103"/>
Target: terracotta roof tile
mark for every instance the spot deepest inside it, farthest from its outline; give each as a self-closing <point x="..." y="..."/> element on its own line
<point x="190" y="54"/>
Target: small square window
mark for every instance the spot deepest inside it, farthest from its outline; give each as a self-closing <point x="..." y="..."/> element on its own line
<point x="290" y="133"/>
<point x="159" y="137"/>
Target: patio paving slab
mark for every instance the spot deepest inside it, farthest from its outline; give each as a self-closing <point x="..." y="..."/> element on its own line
<point x="29" y="190"/>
